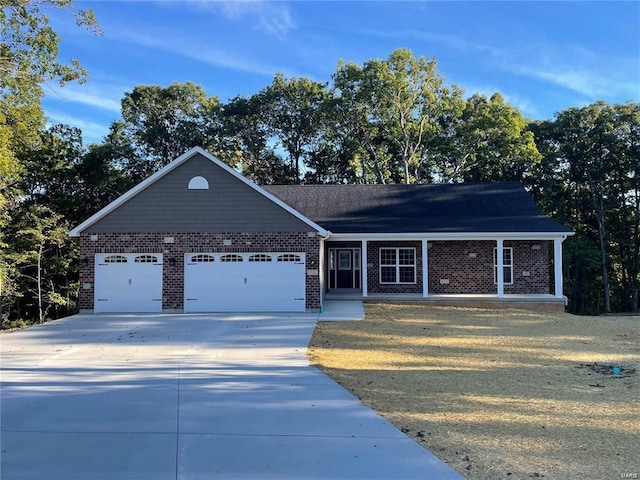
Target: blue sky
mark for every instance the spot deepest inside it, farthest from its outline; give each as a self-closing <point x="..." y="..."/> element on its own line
<point x="542" y="56"/>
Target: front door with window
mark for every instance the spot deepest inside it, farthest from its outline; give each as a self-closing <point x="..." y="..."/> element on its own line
<point x="344" y="268"/>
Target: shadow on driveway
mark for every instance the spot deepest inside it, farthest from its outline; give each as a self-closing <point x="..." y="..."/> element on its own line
<point x="188" y="397"/>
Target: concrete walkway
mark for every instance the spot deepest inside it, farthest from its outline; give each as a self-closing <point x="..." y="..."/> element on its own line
<point x="188" y="397"/>
<point x="342" y="311"/>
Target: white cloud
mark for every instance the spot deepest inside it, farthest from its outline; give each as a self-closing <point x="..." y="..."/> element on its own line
<point x="271" y="17"/>
<point x="197" y="50"/>
<point x="573" y="67"/>
<point x="455" y="42"/>
<point x="592" y="82"/>
<point x="94" y="94"/>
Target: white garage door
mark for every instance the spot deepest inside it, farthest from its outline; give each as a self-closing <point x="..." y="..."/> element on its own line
<point x="128" y="282"/>
<point x="244" y="282"/>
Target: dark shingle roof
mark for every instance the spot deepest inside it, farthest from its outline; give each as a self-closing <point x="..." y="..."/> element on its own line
<point x="440" y="208"/>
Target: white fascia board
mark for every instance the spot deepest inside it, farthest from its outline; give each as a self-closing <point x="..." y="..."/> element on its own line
<point x="451" y="236"/>
<point x="175" y="163"/>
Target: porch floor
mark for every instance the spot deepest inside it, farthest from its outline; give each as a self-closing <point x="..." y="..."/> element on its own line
<point x="534" y="301"/>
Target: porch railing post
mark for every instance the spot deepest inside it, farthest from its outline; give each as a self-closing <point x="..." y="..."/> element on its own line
<point x="425" y="268"/>
<point x="500" y="267"/>
<point x="364" y="267"/>
<point x="557" y="267"/>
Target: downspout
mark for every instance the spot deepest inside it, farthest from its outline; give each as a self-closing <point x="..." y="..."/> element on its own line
<point x="322" y="240"/>
<point x="558" y="270"/>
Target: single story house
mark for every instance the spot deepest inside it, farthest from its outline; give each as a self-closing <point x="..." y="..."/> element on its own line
<point x="197" y="236"/>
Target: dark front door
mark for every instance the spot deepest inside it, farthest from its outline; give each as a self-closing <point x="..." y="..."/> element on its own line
<point x="345" y="269"/>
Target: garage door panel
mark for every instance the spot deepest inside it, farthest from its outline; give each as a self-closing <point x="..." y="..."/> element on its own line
<point x="214" y="282"/>
<point x="128" y="283"/>
<point x="244" y="282"/>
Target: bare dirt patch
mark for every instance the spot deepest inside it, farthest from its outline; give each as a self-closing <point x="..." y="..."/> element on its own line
<point x="509" y="394"/>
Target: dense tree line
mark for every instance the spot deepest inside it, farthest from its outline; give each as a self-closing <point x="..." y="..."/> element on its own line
<point x="392" y="120"/>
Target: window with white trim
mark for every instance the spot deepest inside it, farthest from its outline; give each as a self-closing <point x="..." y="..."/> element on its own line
<point x="397" y="265"/>
<point x="507" y="265"/>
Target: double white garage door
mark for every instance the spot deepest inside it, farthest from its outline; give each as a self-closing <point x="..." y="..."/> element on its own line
<point x="249" y="282"/>
<point x="213" y="282"/>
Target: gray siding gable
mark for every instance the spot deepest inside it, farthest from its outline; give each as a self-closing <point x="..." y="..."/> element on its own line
<point x="229" y="205"/>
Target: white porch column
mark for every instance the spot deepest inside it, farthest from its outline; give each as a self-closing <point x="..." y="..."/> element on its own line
<point x="557" y="266"/>
<point x="364" y="268"/>
<point x="500" y="264"/>
<point x="425" y="269"/>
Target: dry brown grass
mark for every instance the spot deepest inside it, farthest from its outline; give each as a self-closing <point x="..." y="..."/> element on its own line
<point x="496" y="393"/>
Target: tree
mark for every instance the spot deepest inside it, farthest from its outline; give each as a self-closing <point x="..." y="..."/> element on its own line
<point x="49" y="169"/>
<point x="98" y="179"/>
<point x="588" y="180"/>
<point x="401" y="101"/>
<point x="41" y="260"/>
<point x="162" y="123"/>
<point x="624" y="187"/>
<point x="359" y="138"/>
<point x="28" y="59"/>
<point x="246" y="140"/>
<point x="487" y="141"/>
<point x="294" y="116"/>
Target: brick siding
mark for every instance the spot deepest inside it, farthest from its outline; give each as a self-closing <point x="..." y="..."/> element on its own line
<point x="466" y="274"/>
<point x="469" y="274"/>
<point x="373" y="268"/>
<point x="173" y="257"/>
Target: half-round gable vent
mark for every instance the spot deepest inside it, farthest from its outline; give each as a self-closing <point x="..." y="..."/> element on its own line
<point x="198" y="183"/>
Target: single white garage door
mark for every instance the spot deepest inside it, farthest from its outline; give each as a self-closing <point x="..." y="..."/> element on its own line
<point x="244" y="282"/>
<point x="128" y="282"/>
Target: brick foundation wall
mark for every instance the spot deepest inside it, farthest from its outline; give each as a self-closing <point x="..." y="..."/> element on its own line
<point x="173" y="257"/>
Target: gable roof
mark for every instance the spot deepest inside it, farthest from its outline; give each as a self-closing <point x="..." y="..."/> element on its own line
<point x="172" y="166"/>
<point x="436" y="208"/>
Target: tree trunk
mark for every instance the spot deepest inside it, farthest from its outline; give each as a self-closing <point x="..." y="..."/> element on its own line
<point x="603" y="253"/>
<point x="597" y="199"/>
<point x="406" y="171"/>
<point x="636" y="254"/>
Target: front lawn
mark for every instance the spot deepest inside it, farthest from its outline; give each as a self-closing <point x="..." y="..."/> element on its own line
<point x="497" y="394"/>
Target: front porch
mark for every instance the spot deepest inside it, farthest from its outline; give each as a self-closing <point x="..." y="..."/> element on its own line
<point x="538" y="302"/>
<point x="512" y="272"/>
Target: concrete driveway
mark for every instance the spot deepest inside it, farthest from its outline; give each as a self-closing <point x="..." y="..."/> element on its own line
<point x="188" y="397"/>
